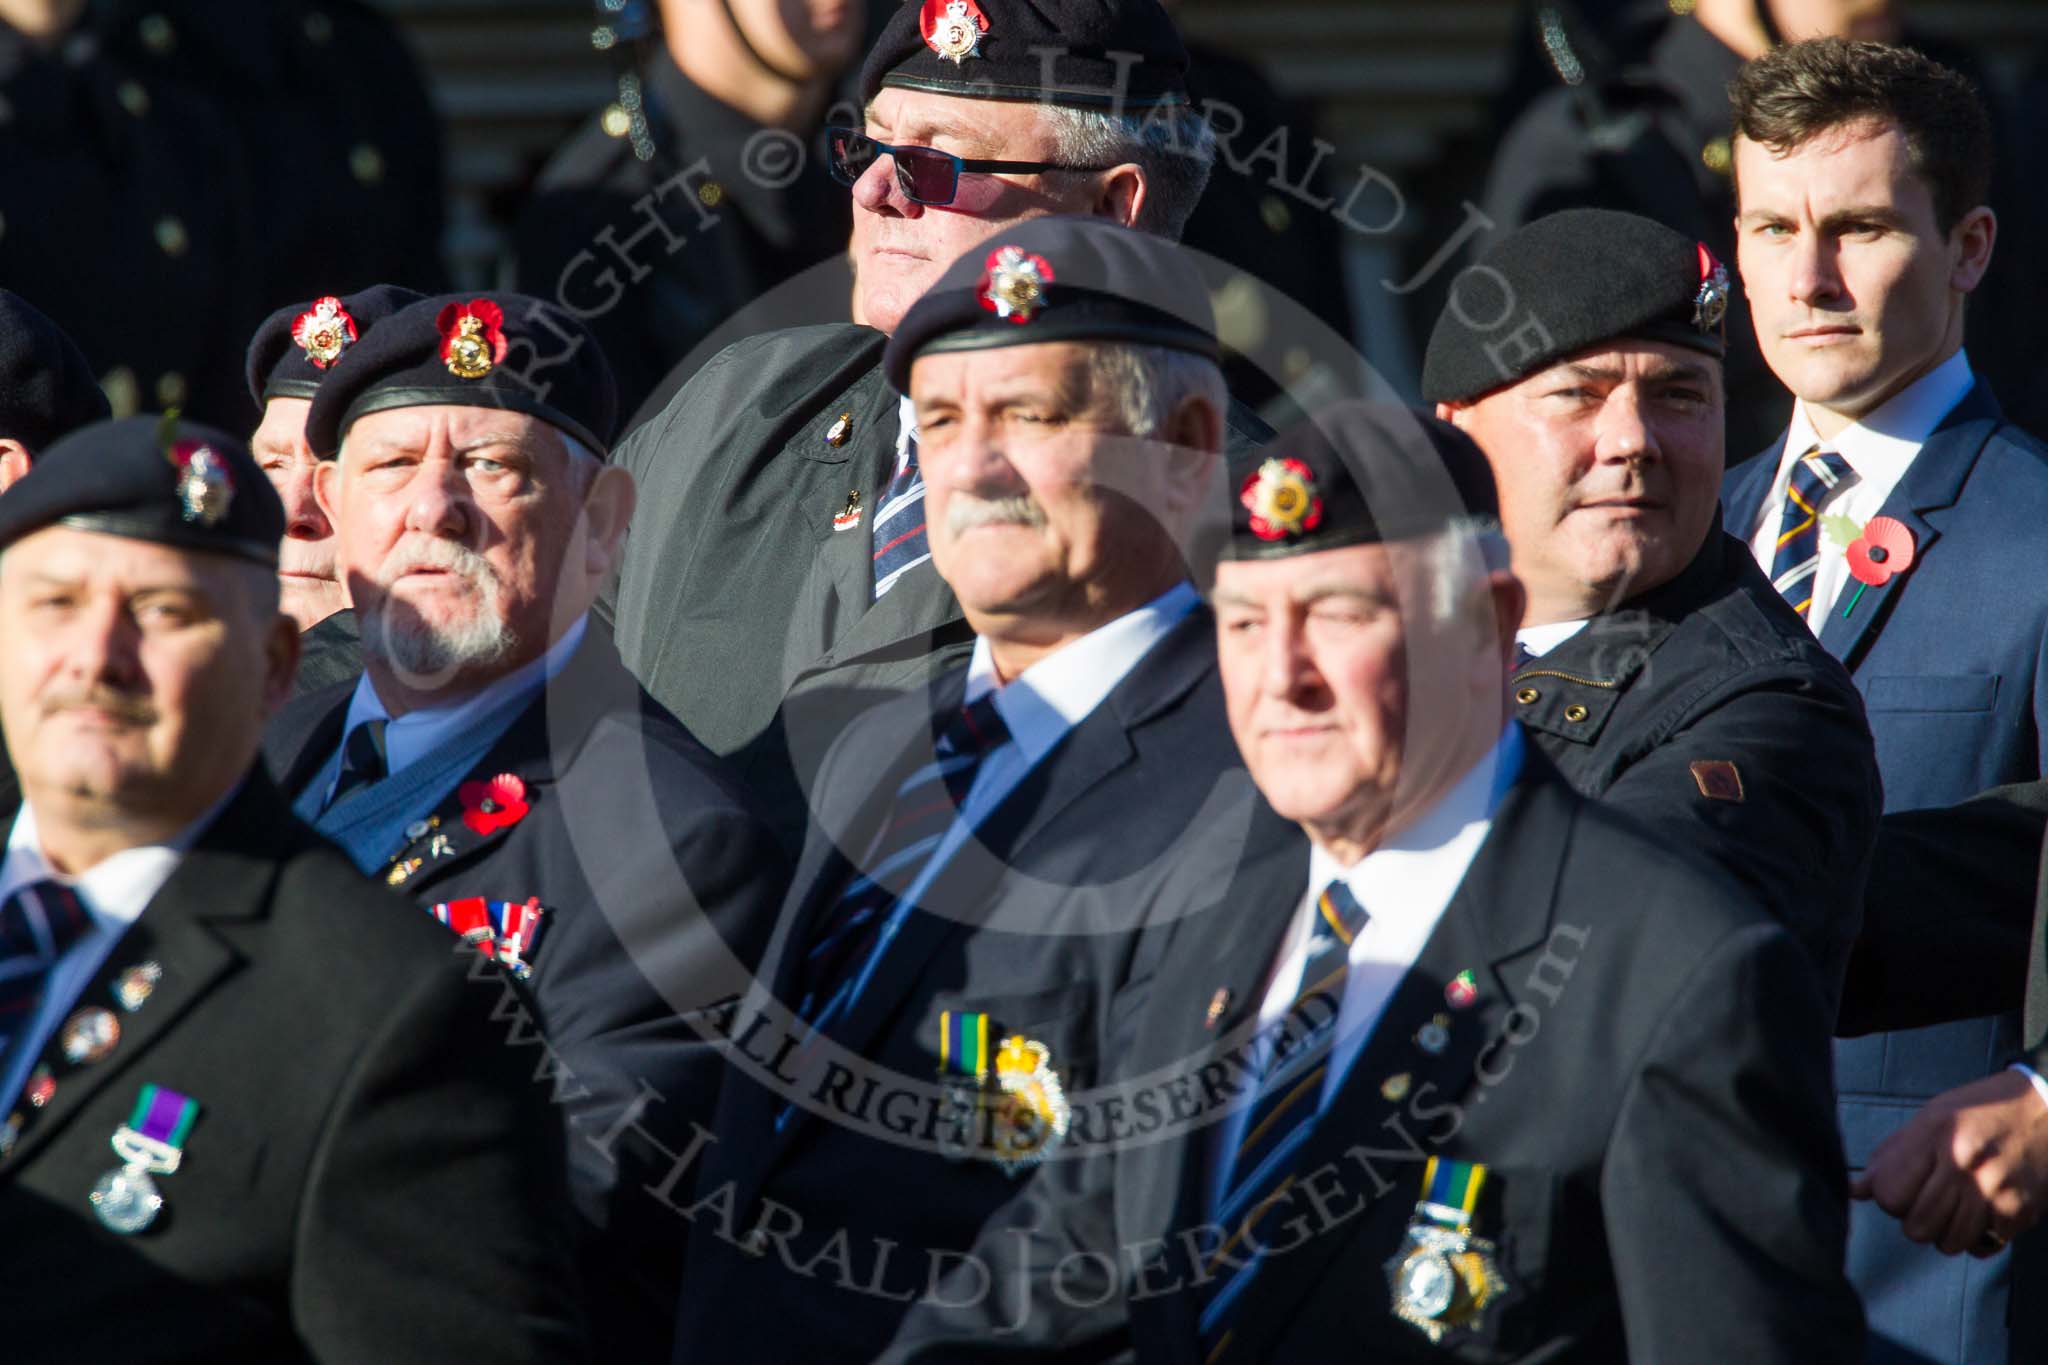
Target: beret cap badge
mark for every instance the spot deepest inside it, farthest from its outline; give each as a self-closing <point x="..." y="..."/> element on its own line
<point x="953" y="28"/>
<point x="205" y="488"/>
<point x="1710" y="304"/>
<point x="1014" y="287"/>
<point x="1281" y="496"/>
<point x="472" y="338"/>
<point x="324" y="331"/>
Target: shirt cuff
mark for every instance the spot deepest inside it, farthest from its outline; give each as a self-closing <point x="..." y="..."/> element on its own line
<point x="2034" y="1078"/>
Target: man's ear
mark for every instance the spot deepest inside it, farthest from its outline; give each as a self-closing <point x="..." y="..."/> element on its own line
<point x="1975" y="236"/>
<point x="607" y="512"/>
<point x="14" y="462"/>
<point x="1122" y="195"/>
<point x="325" y="475"/>
<point x="281" y="646"/>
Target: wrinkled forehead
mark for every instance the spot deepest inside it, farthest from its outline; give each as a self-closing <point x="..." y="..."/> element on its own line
<point x="1372" y="571"/>
<point x="67" y="554"/>
<point x="417" y="429"/>
<point x="967" y="127"/>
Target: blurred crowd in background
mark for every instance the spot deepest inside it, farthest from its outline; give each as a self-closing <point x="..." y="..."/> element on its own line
<point x="225" y="154"/>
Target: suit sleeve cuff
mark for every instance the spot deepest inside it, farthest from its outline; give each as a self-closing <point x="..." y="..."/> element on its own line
<point x="2033" y="1078"/>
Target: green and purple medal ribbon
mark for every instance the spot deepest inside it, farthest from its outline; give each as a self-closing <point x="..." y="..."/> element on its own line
<point x="163" y="1115"/>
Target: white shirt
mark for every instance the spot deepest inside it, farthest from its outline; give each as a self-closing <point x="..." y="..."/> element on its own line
<point x="906" y="432"/>
<point x="114" y="892"/>
<point x="1880" y="447"/>
<point x="1404" y="885"/>
<point x="1540" y="640"/>
<point x="416" y="734"/>
<point x="1039" y="706"/>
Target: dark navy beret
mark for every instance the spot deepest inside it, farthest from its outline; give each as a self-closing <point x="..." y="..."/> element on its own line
<point x="1567" y="281"/>
<point x="1357" y="473"/>
<point x="151" y="478"/>
<point x="1059" y="278"/>
<point x="1088" y="54"/>
<point x="46" y="386"/>
<point x="298" y="344"/>
<point x="498" y="350"/>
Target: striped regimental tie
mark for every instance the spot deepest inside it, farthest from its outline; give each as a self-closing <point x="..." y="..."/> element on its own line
<point x="1281" y="1116"/>
<point x="1819" y="476"/>
<point x="37" y="923"/>
<point x="900" y="541"/>
<point x="918" y="820"/>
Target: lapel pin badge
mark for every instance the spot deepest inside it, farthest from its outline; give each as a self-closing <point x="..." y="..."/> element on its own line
<point x="1434" y="1036"/>
<point x="836" y="434"/>
<point x="1462" y="990"/>
<point x="849" y="516"/>
<point x="1218" y="1003"/>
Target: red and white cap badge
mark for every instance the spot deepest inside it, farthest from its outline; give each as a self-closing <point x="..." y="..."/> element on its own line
<point x="1013" y="284"/>
<point x="1710" y="304"/>
<point x="472" y="338"/>
<point x="952" y="28"/>
<point x="324" y="331"/>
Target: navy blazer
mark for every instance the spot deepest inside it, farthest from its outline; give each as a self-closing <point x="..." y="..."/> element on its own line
<point x="1949" y="655"/>
<point x="1949" y="658"/>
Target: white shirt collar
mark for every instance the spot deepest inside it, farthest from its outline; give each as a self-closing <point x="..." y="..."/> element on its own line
<point x="906" y="432"/>
<point x="1058" y="692"/>
<point x="1885" y="439"/>
<point x="116" y="889"/>
<point x="417" y="733"/>
<point x="1540" y="640"/>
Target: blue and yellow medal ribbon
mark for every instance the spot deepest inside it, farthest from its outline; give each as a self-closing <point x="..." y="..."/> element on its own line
<point x="963" y="1044"/>
<point x="1450" y="1191"/>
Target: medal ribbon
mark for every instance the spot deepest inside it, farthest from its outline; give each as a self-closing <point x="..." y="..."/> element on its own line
<point x="157" y="1129"/>
<point x="963" y="1044"/>
<point x="1450" y="1191"/>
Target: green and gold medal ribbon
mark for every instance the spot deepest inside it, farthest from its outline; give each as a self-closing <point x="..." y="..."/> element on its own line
<point x="963" y="1044"/>
<point x="1450" y="1191"/>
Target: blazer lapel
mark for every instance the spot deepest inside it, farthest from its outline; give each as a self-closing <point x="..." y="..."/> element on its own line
<point x="1395" y="1106"/>
<point x="304" y="735"/>
<point x="227" y="876"/>
<point x="1742" y="497"/>
<point x="1933" y="482"/>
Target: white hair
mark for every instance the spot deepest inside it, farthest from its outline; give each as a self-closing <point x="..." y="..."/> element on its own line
<point x="1172" y="144"/>
<point x="1146" y="383"/>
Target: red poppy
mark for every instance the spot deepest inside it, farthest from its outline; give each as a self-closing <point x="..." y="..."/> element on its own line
<point x="492" y="805"/>
<point x="1885" y="548"/>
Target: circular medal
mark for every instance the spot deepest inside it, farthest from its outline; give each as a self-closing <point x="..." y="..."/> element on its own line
<point x="89" y="1034"/>
<point x="126" y="1200"/>
<point x="1429" y="1285"/>
<point x="133" y="987"/>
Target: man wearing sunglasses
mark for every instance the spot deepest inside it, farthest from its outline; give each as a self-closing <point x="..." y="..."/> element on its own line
<point x="776" y="580"/>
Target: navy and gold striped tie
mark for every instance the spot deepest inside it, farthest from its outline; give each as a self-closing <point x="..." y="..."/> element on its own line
<point x="1282" y="1111"/>
<point x="1819" y="475"/>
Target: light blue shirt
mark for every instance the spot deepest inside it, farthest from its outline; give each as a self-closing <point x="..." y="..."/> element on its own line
<point x="418" y="733"/>
<point x="114" y="892"/>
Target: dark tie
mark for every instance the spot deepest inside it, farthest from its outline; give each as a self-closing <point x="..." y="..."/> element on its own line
<point x="1283" y="1110"/>
<point x="362" y="759"/>
<point x="900" y="542"/>
<point x="1819" y="475"/>
<point x="918" y="819"/>
<point x="37" y="923"/>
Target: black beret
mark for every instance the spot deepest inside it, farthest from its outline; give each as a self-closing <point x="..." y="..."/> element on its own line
<point x="499" y="350"/>
<point x="151" y="478"/>
<point x="1065" y="52"/>
<point x="46" y="386"/>
<point x="1058" y="278"/>
<point x="1567" y="281"/>
<point x="298" y="344"/>
<point x="1356" y="473"/>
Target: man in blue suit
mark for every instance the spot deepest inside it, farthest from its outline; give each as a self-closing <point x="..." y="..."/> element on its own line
<point x="1900" y="514"/>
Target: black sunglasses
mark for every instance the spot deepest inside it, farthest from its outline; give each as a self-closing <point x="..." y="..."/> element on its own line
<point x="926" y="175"/>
